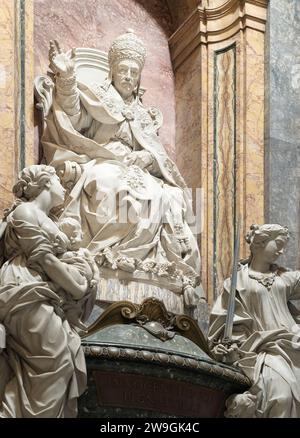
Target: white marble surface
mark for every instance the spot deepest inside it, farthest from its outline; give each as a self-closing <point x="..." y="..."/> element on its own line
<point x="119" y="165"/>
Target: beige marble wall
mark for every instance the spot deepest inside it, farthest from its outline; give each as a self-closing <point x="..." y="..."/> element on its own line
<point x="224" y="183"/>
<point x="31" y="153"/>
<point x="13" y="149"/>
<point x="218" y="55"/>
<point x="181" y="9"/>
<point x="7" y="102"/>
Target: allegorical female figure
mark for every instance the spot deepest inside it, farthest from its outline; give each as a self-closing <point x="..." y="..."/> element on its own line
<point x="42" y="364"/>
<point x="266" y="334"/>
<point x="130" y="198"/>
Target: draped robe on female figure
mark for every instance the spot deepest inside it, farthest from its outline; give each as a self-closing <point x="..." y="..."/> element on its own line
<point x="266" y="325"/>
<point x="43" y="369"/>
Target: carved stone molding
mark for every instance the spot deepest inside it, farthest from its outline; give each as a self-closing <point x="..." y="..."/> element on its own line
<point x="209" y="24"/>
<point x="16" y="76"/>
<point x="153" y="316"/>
<point x="210" y="368"/>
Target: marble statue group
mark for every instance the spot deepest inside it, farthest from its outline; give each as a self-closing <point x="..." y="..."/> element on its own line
<point x="128" y="196"/>
<point x="125" y="208"/>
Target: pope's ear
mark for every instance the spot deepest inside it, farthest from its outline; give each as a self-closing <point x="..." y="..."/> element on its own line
<point x="47" y="185"/>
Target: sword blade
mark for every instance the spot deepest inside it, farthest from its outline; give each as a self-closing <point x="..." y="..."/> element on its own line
<point x="231" y="302"/>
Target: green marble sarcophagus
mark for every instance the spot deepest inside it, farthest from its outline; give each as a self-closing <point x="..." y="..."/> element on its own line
<point x="146" y="362"/>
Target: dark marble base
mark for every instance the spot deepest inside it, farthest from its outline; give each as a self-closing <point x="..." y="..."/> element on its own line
<point x="143" y="362"/>
<point x="120" y="389"/>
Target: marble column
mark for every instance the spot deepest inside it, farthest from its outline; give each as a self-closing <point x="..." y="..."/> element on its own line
<point x="218" y="57"/>
<point x="16" y="93"/>
<point x="283" y="122"/>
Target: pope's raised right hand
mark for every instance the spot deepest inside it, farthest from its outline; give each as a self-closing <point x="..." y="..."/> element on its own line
<point x="60" y="63"/>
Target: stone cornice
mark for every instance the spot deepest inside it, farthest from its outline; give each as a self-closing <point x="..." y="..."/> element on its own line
<point x="210" y="368"/>
<point x="212" y="25"/>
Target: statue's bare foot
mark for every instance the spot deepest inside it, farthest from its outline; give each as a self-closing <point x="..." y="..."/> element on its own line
<point x="126" y="264"/>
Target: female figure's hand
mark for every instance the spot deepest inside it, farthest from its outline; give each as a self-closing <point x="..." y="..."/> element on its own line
<point x="142" y="159"/>
<point x="190" y="296"/>
<point x="226" y="353"/>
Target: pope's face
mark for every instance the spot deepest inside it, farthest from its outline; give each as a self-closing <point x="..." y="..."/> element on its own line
<point x="126" y="75"/>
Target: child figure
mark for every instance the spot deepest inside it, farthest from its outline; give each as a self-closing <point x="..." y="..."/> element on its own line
<point x="78" y="259"/>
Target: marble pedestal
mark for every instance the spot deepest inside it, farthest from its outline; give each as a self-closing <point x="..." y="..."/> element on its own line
<point x="117" y="286"/>
<point x="144" y="361"/>
<point x="120" y="286"/>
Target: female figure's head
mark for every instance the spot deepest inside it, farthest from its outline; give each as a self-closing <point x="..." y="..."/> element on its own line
<point x="34" y="180"/>
<point x="267" y="242"/>
<point x="126" y="60"/>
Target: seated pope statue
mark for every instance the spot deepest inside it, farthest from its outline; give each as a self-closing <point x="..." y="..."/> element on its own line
<point x="127" y="193"/>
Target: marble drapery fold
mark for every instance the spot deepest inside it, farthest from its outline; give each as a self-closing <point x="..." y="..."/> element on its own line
<point x="94" y="127"/>
<point x="43" y="369"/>
<point x="266" y="328"/>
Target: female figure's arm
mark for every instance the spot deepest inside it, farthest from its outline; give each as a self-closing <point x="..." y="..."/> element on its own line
<point x="242" y="325"/>
<point x="57" y="271"/>
<point x="39" y="250"/>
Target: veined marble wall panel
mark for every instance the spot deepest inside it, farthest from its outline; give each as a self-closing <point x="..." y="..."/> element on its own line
<point x="95" y="23"/>
<point x="235" y="90"/>
<point x="16" y="93"/>
<point x="224" y="159"/>
<point x="7" y="102"/>
<point x="31" y="152"/>
<point x="254" y="110"/>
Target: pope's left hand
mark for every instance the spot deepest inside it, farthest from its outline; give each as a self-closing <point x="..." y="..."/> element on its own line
<point x="142" y="159"/>
<point x="190" y="297"/>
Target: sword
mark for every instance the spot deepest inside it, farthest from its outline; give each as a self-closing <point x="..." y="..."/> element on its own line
<point x="227" y="338"/>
